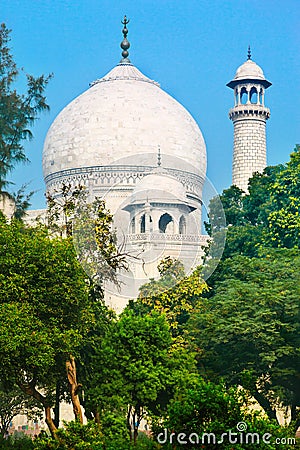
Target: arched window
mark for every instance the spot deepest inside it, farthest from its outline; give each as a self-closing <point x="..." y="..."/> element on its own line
<point x="133" y="225"/>
<point x="182" y="225"/>
<point x="236" y="97"/>
<point x="253" y="95"/>
<point x="143" y="224"/>
<point x="165" y="223"/>
<point x="244" y="96"/>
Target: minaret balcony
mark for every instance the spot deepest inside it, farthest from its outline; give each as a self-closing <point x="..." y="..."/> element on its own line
<point x="250" y="110"/>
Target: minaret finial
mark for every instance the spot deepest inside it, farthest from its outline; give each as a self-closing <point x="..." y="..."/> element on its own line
<point x="249" y="52"/>
<point x="125" y="44"/>
<point x="158" y="157"/>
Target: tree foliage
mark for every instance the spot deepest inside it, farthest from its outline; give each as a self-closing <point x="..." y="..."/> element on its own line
<point x="130" y="367"/>
<point x="249" y="330"/>
<point x="173" y="294"/>
<point x="210" y="416"/>
<point x="44" y="309"/>
<point x="49" y="306"/>
<point x="268" y="216"/>
<point x="13" y="402"/>
<point x="18" y="112"/>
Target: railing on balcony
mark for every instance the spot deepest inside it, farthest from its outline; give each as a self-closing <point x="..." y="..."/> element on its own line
<point x="200" y="239"/>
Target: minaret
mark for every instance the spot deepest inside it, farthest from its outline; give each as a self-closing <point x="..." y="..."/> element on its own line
<point x="249" y="116"/>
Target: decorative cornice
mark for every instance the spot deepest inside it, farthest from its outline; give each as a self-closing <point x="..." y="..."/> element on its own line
<point x="105" y="177"/>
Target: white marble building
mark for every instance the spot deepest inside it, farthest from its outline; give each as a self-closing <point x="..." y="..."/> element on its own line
<point x="133" y="144"/>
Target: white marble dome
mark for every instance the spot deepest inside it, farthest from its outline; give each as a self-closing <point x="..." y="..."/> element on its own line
<point x="249" y="70"/>
<point x="122" y="115"/>
<point x="159" y="186"/>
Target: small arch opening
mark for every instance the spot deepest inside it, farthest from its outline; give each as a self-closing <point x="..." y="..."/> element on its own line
<point x="253" y="95"/>
<point x="236" y="97"/>
<point x="150" y="224"/>
<point x="165" y="223"/>
<point x="182" y="225"/>
<point x="132" y="226"/>
<point x="244" y="96"/>
<point x="143" y="224"/>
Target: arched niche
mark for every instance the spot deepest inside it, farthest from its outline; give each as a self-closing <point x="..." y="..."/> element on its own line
<point x="243" y="96"/>
<point x="236" y="97"/>
<point x="166" y="224"/>
<point x="182" y="225"/>
<point x="143" y="224"/>
<point x="253" y="95"/>
<point x="132" y="225"/>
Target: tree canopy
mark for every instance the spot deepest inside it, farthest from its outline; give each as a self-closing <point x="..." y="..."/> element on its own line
<point x="248" y="329"/>
<point x="268" y="216"/>
<point x="44" y="308"/>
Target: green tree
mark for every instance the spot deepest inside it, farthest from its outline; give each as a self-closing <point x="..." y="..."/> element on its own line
<point x="284" y="219"/>
<point x="18" y="112"/>
<point x="49" y="306"/>
<point x="44" y="308"/>
<point x="248" y="330"/>
<point x="13" y="402"/>
<point x="21" y="200"/>
<point x="130" y="367"/>
<point x="268" y="216"/>
<point x="61" y="207"/>
<point x="91" y="226"/>
<point x="173" y="294"/>
<point x="210" y="415"/>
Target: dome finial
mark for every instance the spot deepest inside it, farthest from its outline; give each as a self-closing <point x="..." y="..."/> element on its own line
<point x="158" y="157"/>
<point x="249" y="52"/>
<point x="125" y="44"/>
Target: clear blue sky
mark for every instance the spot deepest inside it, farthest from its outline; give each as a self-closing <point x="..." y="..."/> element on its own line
<point x="191" y="47"/>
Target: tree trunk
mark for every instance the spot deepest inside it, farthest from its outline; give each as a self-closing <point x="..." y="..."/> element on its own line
<point x="74" y="388"/>
<point x="137" y="420"/>
<point x="135" y="434"/>
<point x="57" y="404"/>
<point x="265" y="404"/>
<point x="3" y="428"/>
<point x="50" y="422"/>
<point x="128" y="422"/>
<point x="295" y="417"/>
<point x="30" y="389"/>
<point x="97" y="418"/>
